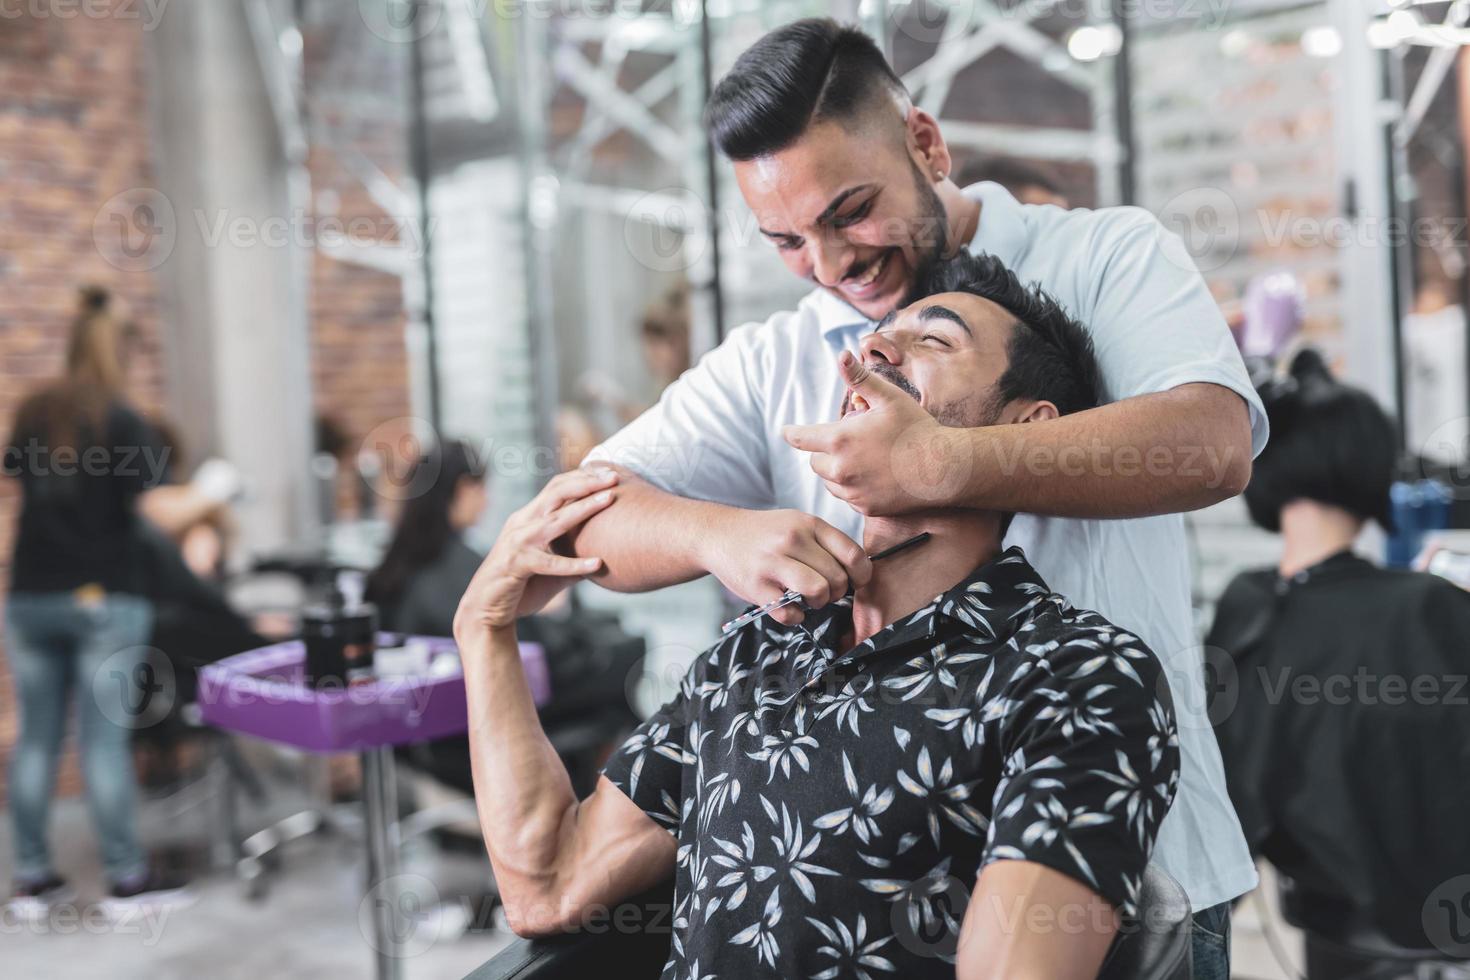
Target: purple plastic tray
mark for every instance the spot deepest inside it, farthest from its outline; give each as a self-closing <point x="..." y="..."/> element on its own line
<point x="261" y="693"/>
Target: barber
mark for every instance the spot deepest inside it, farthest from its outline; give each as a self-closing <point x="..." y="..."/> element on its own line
<point x="849" y="181"/>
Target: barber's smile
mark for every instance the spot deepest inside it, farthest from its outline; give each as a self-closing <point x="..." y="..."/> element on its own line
<point x="871" y="282"/>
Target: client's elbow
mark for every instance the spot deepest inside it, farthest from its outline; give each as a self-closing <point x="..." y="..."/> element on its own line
<point x="534" y="913"/>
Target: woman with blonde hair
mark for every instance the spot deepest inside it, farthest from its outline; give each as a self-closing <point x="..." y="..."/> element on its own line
<point x="90" y="467"/>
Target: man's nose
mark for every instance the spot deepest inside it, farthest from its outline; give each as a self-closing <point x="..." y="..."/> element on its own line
<point x="831" y="258"/>
<point x="879" y="346"/>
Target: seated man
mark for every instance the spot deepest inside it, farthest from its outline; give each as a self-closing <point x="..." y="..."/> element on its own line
<point x="823" y="792"/>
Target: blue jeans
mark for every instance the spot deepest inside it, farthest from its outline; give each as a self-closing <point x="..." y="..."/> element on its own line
<point x="1210" y="943"/>
<point x="58" y="646"/>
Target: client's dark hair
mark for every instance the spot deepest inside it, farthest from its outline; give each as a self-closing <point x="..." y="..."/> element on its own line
<point x="806" y="72"/>
<point x="1051" y="355"/>
<point x="1330" y="442"/>
<point x="423" y="530"/>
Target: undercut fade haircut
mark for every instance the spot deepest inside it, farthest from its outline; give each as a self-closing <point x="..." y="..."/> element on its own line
<point x="1051" y="356"/>
<point x="1330" y="442"/>
<point x="809" y="71"/>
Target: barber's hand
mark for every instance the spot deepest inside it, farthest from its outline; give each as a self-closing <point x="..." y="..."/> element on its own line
<point x="889" y="457"/>
<point x="759" y="554"/>
<point x="522" y="573"/>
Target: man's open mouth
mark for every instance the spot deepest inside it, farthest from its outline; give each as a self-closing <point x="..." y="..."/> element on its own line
<point x="866" y="285"/>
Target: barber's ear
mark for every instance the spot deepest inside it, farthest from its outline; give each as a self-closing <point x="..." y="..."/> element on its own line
<point x="1039" y="412"/>
<point x="926" y="144"/>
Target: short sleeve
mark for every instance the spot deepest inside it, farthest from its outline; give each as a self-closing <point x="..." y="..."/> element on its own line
<point x="1091" y="764"/>
<point x="1153" y="320"/>
<point x="706" y="436"/>
<point x="145" y="461"/>
<point x="649" y="766"/>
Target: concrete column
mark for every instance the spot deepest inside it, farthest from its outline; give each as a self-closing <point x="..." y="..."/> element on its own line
<point x="233" y="290"/>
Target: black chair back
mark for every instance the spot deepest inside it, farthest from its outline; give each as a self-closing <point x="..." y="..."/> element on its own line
<point x="1154" y="947"/>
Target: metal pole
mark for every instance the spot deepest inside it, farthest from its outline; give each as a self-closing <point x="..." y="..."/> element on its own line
<point x="1123" y="106"/>
<point x="539" y="200"/>
<point x="1400" y="258"/>
<point x="419" y="159"/>
<point x="380" y="814"/>
<point x="712" y="177"/>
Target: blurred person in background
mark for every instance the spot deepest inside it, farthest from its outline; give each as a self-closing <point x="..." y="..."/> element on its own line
<point x="1269" y="323"/>
<point x="77" y="617"/>
<point x="428" y="564"/>
<point x="204" y="544"/>
<point x="576" y="436"/>
<point x="1345" y="737"/>
<point x="664" y="334"/>
<point x="1436" y="386"/>
<point x="1027" y="183"/>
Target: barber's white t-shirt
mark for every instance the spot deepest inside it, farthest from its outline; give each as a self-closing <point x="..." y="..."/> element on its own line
<point x="716" y="435"/>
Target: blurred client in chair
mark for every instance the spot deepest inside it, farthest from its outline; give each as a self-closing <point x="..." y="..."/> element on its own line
<point x="428" y="564"/>
<point x="1341" y="711"/>
<point x="827" y="794"/>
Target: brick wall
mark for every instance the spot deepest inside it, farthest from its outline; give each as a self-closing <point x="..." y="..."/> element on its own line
<point x="72" y="104"/>
<point x="74" y="132"/>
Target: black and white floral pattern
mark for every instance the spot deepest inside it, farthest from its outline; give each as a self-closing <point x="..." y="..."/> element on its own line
<point x="826" y="801"/>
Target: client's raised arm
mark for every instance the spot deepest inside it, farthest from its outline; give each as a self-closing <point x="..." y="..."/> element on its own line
<point x="556" y="859"/>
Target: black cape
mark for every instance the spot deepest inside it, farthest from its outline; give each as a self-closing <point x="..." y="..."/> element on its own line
<point x="1347" y="747"/>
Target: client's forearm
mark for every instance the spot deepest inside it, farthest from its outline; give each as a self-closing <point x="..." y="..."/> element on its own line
<point x="648" y="539"/>
<point x="522" y="791"/>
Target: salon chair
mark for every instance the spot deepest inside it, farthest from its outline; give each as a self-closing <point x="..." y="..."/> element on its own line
<point x="1337" y="946"/>
<point x="1156" y="946"/>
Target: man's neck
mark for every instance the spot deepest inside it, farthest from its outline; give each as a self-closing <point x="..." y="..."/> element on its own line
<point x="1312" y="532"/>
<point x="962" y="215"/>
<point x="961" y="541"/>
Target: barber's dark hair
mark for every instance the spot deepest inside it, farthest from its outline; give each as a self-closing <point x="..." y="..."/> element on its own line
<point x="806" y="72"/>
<point x="1051" y="355"/>
<point x="1330" y="442"/>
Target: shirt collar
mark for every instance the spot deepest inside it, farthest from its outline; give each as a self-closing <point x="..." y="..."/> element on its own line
<point x="992" y="603"/>
<point x="1002" y="233"/>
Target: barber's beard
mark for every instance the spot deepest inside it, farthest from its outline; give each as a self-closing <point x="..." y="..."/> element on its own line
<point x="932" y="233"/>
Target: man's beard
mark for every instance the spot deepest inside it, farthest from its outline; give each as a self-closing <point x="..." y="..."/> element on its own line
<point x="961" y="414"/>
<point x="894" y="377"/>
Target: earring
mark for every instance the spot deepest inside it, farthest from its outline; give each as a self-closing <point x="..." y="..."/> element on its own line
<point x="939" y="174"/>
